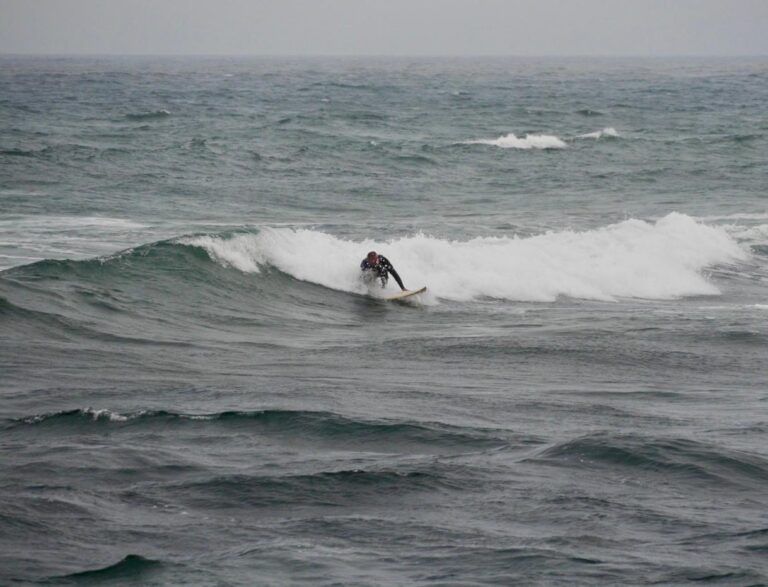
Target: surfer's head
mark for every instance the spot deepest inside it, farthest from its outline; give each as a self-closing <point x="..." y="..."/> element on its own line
<point x="373" y="258"/>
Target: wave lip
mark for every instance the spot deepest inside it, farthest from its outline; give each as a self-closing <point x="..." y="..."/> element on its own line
<point x="530" y="141"/>
<point x="608" y="132"/>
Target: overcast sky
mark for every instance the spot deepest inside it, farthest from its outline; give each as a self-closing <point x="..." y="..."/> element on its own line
<point x="385" y="27"/>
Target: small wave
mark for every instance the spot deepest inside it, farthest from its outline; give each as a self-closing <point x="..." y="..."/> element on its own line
<point x="326" y="488"/>
<point x="608" y="132"/>
<point x="86" y="414"/>
<point x="326" y="425"/>
<point x="745" y="138"/>
<point x="89" y="415"/>
<point x="156" y="257"/>
<point x="416" y="160"/>
<point x="672" y="455"/>
<point x="148" y="115"/>
<point x="531" y="141"/>
<point x="365" y="116"/>
<point x="132" y="566"/>
<point x="20" y="152"/>
<point x="54" y="326"/>
<point x="589" y="112"/>
<point x="343" y="85"/>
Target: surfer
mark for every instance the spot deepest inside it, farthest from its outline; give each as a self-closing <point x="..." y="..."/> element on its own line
<point x="378" y="266"/>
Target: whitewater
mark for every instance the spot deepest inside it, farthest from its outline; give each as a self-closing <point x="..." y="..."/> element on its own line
<point x="197" y="387"/>
<point x="659" y="260"/>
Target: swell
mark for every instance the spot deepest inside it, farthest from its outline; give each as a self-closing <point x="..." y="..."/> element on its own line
<point x="54" y="326"/>
<point x="65" y="152"/>
<point x="132" y="568"/>
<point x="325" y="488"/>
<point x="153" y="293"/>
<point x="683" y="458"/>
<point x="161" y="255"/>
<point x="151" y="115"/>
<point x="126" y="279"/>
<point x="302" y="424"/>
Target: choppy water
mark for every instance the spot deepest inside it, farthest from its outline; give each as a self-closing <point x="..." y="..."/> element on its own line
<point x="196" y="389"/>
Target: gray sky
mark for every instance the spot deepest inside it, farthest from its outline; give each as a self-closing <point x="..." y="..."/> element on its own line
<point x="386" y="27"/>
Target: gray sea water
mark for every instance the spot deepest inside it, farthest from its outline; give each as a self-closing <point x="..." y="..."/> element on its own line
<point x="197" y="388"/>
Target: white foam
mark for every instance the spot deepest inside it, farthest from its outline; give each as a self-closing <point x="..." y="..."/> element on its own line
<point x="752" y="234"/>
<point x="660" y="260"/>
<point x="606" y="132"/>
<point x="104" y="415"/>
<point x="530" y="141"/>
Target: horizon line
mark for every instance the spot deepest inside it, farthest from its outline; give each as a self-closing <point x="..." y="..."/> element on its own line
<point x="397" y="55"/>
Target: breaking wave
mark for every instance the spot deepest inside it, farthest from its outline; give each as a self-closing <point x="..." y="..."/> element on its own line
<point x="665" y="259"/>
<point x="608" y="132"/>
<point x="530" y="141"/>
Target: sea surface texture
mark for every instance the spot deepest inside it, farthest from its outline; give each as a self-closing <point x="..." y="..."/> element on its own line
<point x="197" y="389"/>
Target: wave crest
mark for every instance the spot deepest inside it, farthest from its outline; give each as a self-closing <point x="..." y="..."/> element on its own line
<point x="632" y="259"/>
<point x="324" y="425"/>
<point x="608" y="132"/>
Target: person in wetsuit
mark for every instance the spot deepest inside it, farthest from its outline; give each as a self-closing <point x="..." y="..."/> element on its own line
<point x="376" y="266"/>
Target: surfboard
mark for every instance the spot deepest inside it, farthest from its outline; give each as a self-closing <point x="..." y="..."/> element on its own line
<point x="406" y="294"/>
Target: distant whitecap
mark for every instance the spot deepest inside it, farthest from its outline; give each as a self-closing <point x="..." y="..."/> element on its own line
<point x="530" y="141"/>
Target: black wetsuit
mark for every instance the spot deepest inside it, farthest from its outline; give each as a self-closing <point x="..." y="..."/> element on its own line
<point x="382" y="271"/>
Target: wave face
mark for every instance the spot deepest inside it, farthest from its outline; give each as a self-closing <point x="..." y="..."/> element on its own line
<point x="131" y="568"/>
<point x="661" y="260"/>
<point x="664" y="457"/>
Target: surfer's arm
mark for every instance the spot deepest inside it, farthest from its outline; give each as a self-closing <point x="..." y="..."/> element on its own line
<point x="396" y="276"/>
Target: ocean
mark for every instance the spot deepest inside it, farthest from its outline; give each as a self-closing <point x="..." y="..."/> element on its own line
<point x="198" y="389"/>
